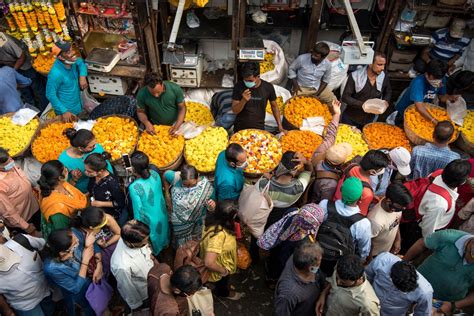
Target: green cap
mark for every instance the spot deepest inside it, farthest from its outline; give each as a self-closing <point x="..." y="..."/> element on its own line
<point x="351" y="190"/>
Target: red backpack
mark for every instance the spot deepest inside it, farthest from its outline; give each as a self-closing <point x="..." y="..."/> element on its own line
<point x="418" y="189"/>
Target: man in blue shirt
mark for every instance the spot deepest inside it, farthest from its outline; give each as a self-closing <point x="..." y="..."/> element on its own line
<point x="399" y="286"/>
<point x="65" y="81"/>
<point x="229" y="175"/>
<point x="310" y="73"/>
<point x="425" y="88"/>
<point x="10" y="100"/>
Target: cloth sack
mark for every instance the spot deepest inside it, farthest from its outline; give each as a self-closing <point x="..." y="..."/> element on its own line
<point x="254" y="207"/>
<point x="201" y="301"/>
<point x="98" y="295"/>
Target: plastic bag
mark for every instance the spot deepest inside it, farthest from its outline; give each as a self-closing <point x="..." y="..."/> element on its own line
<point x="190" y="130"/>
<point x="280" y="92"/>
<point x="457" y="110"/>
<point x="88" y="101"/>
<point x="23" y="116"/>
<point x="278" y="74"/>
<point x="48" y="113"/>
<point x="391" y="118"/>
<point x="98" y="295"/>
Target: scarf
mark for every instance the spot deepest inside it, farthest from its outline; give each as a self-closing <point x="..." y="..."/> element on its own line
<point x="294" y="226"/>
<point x="360" y="79"/>
<point x="58" y="203"/>
<point x="188" y="203"/>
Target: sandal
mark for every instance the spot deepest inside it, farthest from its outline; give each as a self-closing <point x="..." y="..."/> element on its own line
<point x="235" y="296"/>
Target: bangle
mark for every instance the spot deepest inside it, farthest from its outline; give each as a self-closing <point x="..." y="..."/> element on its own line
<point x="83" y="264"/>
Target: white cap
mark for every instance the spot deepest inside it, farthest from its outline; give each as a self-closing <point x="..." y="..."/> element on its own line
<point x="401" y="157"/>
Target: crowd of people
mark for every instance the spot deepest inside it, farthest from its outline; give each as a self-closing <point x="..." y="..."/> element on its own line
<point x="389" y="233"/>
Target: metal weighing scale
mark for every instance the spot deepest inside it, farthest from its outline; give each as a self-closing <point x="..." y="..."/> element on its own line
<point x="186" y="65"/>
<point x="102" y="59"/>
<point x="251" y="49"/>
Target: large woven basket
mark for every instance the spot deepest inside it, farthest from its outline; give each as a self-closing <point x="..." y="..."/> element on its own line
<point x="120" y="160"/>
<point x="286" y="123"/>
<point x="372" y="146"/>
<point x="413" y="136"/>
<point x="256" y="175"/>
<point x="464" y="144"/>
<point x="27" y="147"/>
<point x="174" y="165"/>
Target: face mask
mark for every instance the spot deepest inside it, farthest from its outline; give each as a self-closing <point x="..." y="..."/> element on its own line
<point x="69" y="62"/>
<point x="249" y="84"/>
<point x="315" y="61"/>
<point x="435" y="83"/>
<point x="242" y="166"/>
<point x="313" y="269"/>
<point x="381" y="172"/>
<point x="9" y="166"/>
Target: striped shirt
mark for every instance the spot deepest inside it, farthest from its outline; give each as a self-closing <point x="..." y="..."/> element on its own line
<point x="429" y="158"/>
<point x="285" y="195"/>
<point x="446" y="47"/>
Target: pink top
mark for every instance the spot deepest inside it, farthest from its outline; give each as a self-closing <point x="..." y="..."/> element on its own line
<point x="17" y="200"/>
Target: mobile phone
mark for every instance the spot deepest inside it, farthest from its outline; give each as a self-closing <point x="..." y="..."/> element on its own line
<point x="126" y="160"/>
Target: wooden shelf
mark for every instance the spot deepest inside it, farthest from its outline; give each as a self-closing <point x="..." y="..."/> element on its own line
<point x="439" y="8"/>
<point x="136" y="72"/>
<point x="220" y="28"/>
<point x="210" y="80"/>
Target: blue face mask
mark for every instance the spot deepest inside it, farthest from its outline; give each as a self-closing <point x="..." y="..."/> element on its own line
<point x="9" y="166"/>
<point x="249" y="84"/>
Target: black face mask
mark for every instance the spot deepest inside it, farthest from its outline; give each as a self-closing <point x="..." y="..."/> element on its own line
<point x="315" y="61"/>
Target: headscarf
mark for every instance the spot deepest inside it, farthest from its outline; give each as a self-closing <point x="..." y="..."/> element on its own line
<point x="294" y="226"/>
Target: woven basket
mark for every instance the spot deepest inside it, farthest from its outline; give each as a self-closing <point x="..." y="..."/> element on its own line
<point x="289" y="126"/>
<point x="174" y="165"/>
<point x="463" y="143"/>
<point x="413" y="136"/>
<point x="120" y="160"/>
<point x="371" y="146"/>
<point x="38" y="131"/>
<point x="27" y="147"/>
<point x="255" y="175"/>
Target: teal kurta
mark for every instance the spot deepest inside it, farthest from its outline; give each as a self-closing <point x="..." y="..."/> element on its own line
<point x="450" y="278"/>
<point x="149" y="207"/>
<point x="78" y="163"/>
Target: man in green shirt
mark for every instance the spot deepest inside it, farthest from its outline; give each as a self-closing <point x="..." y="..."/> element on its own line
<point x="161" y="103"/>
<point x="450" y="267"/>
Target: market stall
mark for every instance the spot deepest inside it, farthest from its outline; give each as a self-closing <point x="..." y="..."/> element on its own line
<point x="113" y="37"/>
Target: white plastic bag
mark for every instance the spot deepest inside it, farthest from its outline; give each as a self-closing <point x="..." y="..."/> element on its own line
<point x="457" y="110"/>
<point x="280" y="92"/>
<point x="391" y="118"/>
<point x="88" y="101"/>
<point x="23" y="116"/>
<point x="375" y="106"/>
<point x="277" y="75"/>
<point x="190" y="130"/>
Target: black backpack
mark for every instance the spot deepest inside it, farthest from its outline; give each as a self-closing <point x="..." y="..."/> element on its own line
<point x="334" y="234"/>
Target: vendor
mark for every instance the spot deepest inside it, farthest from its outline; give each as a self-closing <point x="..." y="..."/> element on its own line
<point x="10" y="79"/>
<point x="250" y="98"/>
<point x="310" y="74"/>
<point x="65" y="80"/>
<point x="14" y="53"/>
<point x="363" y="84"/>
<point x="425" y="88"/>
<point x="448" y="45"/>
<point x="160" y="103"/>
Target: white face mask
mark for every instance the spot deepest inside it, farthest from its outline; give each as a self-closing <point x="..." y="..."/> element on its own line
<point x="379" y="173"/>
<point x="313" y="269"/>
<point x="435" y="83"/>
<point x="243" y="166"/>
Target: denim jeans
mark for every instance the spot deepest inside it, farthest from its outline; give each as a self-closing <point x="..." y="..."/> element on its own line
<point x="44" y="308"/>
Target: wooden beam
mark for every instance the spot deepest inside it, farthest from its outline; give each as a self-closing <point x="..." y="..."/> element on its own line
<point x="313" y="28"/>
<point x="235" y="23"/>
<point x="393" y="15"/>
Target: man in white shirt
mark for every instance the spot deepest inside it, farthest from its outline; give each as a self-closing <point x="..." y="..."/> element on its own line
<point x="22" y="281"/>
<point x="131" y="262"/>
<point x="310" y="74"/>
<point x="435" y="210"/>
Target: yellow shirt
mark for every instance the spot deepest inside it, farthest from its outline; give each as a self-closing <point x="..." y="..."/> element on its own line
<point x="222" y="243"/>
